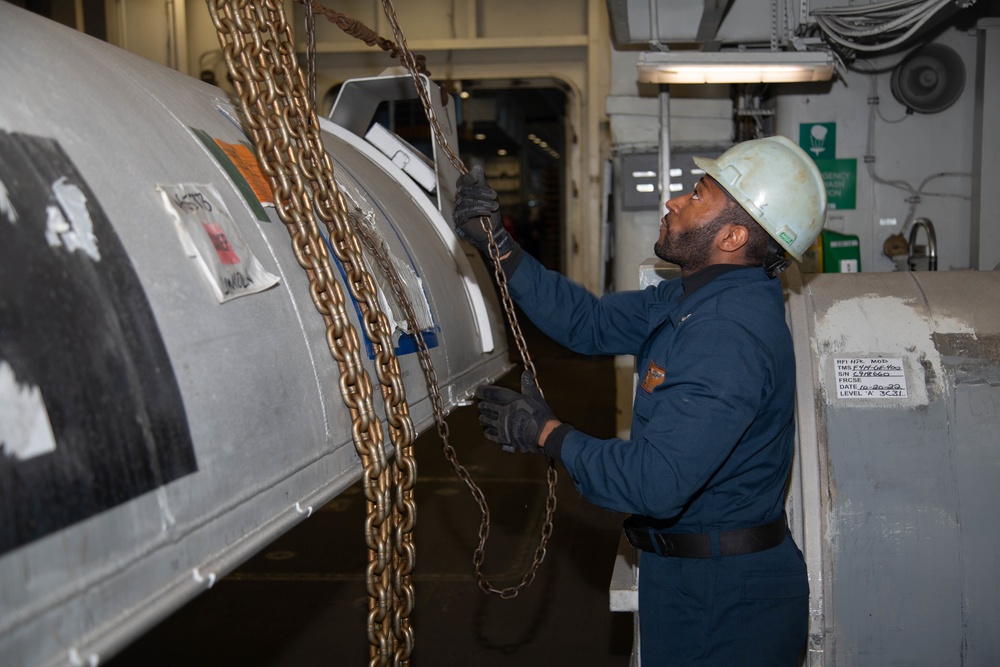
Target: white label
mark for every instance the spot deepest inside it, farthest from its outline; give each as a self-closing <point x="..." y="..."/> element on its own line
<point x="25" y="431"/>
<point x="878" y="377"/>
<point x="77" y="233"/>
<point x="848" y="266"/>
<point x="210" y="235"/>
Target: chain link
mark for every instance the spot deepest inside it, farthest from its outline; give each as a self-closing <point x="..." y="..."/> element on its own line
<point x="311" y="49"/>
<point x="258" y="45"/>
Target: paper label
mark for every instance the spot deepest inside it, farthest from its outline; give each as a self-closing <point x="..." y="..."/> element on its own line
<point x="210" y="235"/>
<point x="870" y="377"/>
<point x="244" y="160"/>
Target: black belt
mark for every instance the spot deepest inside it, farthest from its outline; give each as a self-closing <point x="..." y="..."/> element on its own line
<point x="699" y="545"/>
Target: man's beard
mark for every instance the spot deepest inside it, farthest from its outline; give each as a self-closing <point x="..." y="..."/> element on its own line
<point x="690" y="250"/>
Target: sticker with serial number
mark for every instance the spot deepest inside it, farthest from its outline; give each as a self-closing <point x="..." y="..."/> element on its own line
<point x="870" y="377"/>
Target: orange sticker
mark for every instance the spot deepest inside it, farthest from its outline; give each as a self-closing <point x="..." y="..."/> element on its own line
<point x="654" y="377"/>
<point x="244" y="160"/>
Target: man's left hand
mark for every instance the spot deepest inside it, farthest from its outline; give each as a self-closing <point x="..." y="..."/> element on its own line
<point x="474" y="200"/>
<point x="512" y="418"/>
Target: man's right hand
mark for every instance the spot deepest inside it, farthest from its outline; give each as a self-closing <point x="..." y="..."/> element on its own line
<point x="517" y="421"/>
<point x="473" y="201"/>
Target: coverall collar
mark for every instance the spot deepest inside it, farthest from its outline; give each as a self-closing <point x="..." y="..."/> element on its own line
<point x="676" y="305"/>
<point x="708" y="274"/>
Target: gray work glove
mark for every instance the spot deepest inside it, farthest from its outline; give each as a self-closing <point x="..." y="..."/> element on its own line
<point x="475" y="199"/>
<point x="514" y="419"/>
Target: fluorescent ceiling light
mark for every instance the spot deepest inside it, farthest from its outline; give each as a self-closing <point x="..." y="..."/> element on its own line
<point x="735" y="66"/>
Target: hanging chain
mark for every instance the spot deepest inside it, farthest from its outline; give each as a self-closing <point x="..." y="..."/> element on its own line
<point x="258" y="46"/>
<point x="440" y="138"/>
<point x="380" y="252"/>
<point x="415" y="65"/>
<point x="552" y="477"/>
<point x="311" y="49"/>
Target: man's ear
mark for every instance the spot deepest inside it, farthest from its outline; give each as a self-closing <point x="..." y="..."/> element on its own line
<point x="733" y="238"/>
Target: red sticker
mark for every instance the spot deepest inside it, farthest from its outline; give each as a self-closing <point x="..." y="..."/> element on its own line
<point x="221" y="243"/>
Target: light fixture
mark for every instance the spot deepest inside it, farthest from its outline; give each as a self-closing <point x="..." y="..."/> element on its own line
<point x="735" y="66"/>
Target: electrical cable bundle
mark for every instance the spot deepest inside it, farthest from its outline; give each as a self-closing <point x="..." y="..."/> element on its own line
<point x="882" y="25"/>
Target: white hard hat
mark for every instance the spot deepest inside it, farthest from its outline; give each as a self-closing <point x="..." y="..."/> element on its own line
<point x="778" y="184"/>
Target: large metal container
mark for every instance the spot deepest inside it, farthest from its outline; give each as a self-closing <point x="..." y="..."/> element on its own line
<point x="153" y="436"/>
<point x="895" y="489"/>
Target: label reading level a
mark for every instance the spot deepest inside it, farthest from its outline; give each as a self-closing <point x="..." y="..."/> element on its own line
<point x="870" y="377"/>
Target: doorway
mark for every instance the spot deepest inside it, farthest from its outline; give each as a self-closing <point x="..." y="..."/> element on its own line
<point x="516" y="131"/>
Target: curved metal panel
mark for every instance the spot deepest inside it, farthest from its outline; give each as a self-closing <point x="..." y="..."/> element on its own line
<point x="151" y="437"/>
<point x="895" y="486"/>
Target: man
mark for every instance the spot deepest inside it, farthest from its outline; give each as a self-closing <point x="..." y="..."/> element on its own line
<point x="704" y="474"/>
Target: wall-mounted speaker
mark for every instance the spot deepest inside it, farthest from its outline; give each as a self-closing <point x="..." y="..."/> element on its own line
<point x="929" y="80"/>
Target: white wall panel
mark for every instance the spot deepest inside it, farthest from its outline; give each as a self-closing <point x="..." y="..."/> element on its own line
<point x="911" y="150"/>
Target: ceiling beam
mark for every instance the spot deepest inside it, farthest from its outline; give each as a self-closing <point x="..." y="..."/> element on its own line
<point x="711" y="19"/>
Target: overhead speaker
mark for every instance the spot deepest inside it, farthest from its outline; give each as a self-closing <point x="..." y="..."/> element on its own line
<point x="929" y="80"/>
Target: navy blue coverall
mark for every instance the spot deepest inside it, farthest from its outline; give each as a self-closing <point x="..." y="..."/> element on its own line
<point x="710" y="450"/>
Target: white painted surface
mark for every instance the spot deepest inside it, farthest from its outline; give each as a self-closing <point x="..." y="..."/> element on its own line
<point x="889" y="326"/>
<point x="25" y="431"/>
<point x="77" y="233"/>
<point x="912" y="148"/>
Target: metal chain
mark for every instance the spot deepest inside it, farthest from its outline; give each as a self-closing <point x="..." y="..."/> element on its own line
<point x="415" y="66"/>
<point x="381" y="254"/>
<point x="259" y="50"/>
<point x="442" y="141"/>
<point x="332" y="209"/>
<point x="552" y="476"/>
<point x="311" y="48"/>
<point x="410" y="62"/>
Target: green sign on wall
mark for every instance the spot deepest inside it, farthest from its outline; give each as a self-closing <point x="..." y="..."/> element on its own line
<point x="819" y="140"/>
<point x="839" y="176"/>
<point x="841" y="180"/>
